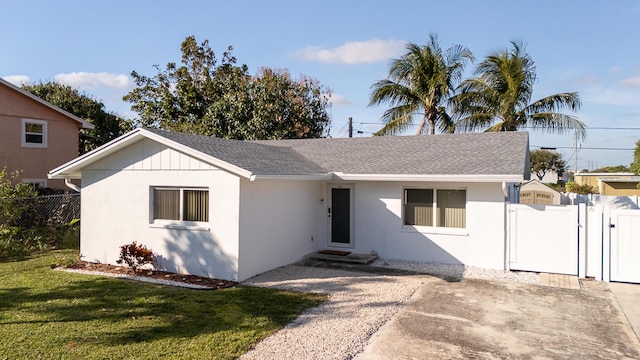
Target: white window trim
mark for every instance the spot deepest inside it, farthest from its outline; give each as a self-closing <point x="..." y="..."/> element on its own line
<point x="433" y="229"/>
<point x="41" y="182"/>
<point x="177" y="224"/>
<point x="23" y="133"/>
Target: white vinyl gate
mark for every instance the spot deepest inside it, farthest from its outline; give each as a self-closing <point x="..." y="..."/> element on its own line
<point x="543" y="238"/>
<point x="625" y="245"/>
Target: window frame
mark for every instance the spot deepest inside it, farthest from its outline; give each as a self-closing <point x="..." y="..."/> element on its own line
<point x="42" y="183"/>
<point x="434" y="229"/>
<point x="180" y="223"/>
<point x="24" y="133"/>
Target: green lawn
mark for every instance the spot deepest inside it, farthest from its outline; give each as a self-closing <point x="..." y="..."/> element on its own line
<point x="54" y="314"/>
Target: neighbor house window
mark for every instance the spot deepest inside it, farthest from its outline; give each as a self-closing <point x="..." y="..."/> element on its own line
<point x="181" y="204"/>
<point x="435" y="207"/>
<point x="38" y="183"/>
<point x="34" y="133"/>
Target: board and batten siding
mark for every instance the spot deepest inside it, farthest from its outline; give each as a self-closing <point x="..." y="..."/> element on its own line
<point x="149" y="155"/>
<point x="119" y="190"/>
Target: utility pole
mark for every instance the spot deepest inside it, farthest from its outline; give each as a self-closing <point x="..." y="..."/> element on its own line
<point x="350" y="126"/>
<point x="575" y="149"/>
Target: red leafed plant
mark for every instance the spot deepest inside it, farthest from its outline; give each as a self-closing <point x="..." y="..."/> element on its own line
<point x="135" y="255"/>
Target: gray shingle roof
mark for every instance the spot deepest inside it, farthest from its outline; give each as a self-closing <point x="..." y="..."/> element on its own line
<point x="258" y="158"/>
<point x="503" y="153"/>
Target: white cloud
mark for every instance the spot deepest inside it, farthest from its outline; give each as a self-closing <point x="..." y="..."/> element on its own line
<point x="631" y="82"/>
<point x="338" y="100"/>
<point x="615" y="96"/>
<point x="17" y="80"/>
<point x="88" y="80"/>
<point x="354" y="52"/>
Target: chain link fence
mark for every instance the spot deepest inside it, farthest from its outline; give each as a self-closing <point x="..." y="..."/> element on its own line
<point x="42" y="222"/>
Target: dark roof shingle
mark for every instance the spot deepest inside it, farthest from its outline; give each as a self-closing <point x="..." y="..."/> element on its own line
<point x="503" y="153"/>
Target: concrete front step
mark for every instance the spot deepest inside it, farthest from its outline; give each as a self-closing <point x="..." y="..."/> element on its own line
<point x="351" y="258"/>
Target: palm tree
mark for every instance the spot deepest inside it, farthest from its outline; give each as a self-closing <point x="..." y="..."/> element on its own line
<point x="421" y="82"/>
<point x="499" y="98"/>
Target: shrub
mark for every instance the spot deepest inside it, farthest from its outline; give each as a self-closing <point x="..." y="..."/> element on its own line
<point x="67" y="236"/>
<point x="135" y="255"/>
<point x="12" y="189"/>
<point x="18" y="243"/>
<point x="573" y="187"/>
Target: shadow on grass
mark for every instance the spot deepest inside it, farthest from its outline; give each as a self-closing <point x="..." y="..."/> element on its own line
<point x="123" y="312"/>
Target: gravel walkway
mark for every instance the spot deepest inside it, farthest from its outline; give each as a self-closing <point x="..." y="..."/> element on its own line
<point x="359" y="304"/>
<point x="461" y="271"/>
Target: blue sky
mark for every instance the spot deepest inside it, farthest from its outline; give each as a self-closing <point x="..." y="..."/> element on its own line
<point x="584" y="46"/>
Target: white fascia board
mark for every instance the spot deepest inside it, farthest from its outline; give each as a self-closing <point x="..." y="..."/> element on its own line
<point x="292" y="177"/>
<point x="72" y="169"/>
<point x="432" y="178"/>
<point x="199" y="155"/>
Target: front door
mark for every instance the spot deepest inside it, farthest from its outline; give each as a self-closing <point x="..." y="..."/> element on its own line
<point x="340" y="213"/>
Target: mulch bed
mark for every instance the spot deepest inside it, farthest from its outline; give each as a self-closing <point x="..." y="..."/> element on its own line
<point x="159" y="275"/>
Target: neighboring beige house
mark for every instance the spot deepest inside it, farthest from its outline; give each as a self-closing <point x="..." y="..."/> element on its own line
<point x="616" y="184"/>
<point x="535" y="192"/>
<point x="35" y="136"/>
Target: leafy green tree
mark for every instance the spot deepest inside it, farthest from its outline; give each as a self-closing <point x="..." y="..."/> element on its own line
<point x="635" y="165"/>
<point x="612" y="169"/>
<point x="108" y="126"/>
<point x="202" y="96"/>
<point x="543" y="161"/>
<point x="420" y="83"/>
<point x="283" y="106"/>
<point x="499" y="99"/>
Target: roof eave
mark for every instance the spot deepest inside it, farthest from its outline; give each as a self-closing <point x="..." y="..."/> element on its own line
<point x="85" y="124"/>
<point x="291" y="177"/>
<point x="431" y="178"/>
<point x="73" y="168"/>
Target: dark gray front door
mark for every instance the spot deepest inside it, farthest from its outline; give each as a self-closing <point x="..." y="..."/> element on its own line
<point x="340" y="216"/>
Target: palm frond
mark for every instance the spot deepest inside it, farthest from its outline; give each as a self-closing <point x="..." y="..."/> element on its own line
<point x="396" y="126"/>
<point x="558" y="123"/>
<point x="556" y="102"/>
<point x="424" y="79"/>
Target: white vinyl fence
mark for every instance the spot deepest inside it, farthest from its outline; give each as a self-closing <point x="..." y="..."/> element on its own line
<point x="599" y="241"/>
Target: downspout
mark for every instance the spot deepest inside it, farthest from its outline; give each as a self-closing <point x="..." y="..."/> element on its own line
<point x="71" y="185"/>
<point x="505" y="227"/>
<point x="505" y="191"/>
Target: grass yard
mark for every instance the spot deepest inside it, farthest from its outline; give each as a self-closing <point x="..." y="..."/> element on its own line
<point x="53" y="314"/>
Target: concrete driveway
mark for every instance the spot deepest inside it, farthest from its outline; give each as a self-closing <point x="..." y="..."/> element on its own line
<point x="481" y="319"/>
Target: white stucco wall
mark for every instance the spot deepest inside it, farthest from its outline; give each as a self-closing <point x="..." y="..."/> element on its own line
<point x="116" y="200"/>
<point x="379" y="226"/>
<point x="278" y="223"/>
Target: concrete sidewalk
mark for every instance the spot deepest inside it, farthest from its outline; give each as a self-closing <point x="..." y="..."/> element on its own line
<point x="628" y="298"/>
<point x="558" y="280"/>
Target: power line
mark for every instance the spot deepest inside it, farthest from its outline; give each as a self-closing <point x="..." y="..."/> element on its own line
<point x="536" y="128"/>
<point x="581" y="148"/>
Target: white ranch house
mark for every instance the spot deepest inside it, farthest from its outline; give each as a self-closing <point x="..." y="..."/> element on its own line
<point x="232" y="209"/>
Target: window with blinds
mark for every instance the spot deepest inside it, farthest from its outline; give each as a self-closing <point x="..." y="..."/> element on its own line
<point x="450" y="207"/>
<point x="181" y="204"/>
